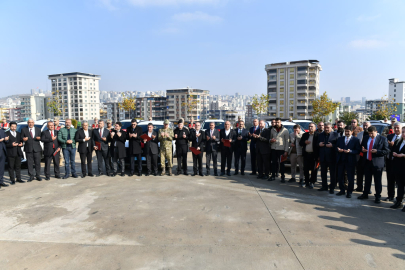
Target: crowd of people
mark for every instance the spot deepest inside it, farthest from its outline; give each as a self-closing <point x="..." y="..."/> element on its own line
<point x="341" y="151"/>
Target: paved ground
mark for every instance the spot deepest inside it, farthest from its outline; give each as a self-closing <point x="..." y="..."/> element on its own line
<point x="193" y="223"/>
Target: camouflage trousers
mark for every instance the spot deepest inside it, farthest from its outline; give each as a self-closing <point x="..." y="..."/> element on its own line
<point x="166" y="154"/>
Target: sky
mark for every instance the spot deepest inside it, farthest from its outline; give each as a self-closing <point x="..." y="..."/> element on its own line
<point x="217" y="45"/>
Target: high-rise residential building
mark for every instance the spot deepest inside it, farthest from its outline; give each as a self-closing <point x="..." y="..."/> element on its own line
<point x="347" y="99"/>
<point x="292" y="87"/>
<point x="186" y="103"/>
<point x="78" y="94"/>
<point x="32" y="106"/>
<point x="153" y="106"/>
<point x="374" y="105"/>
<point x="363" y="101"/>
<point x="396" y="93"/>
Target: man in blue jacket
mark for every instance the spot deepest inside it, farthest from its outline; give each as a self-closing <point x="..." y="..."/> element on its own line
<point x="347" y="147"/>
<point x="374" y="149"/>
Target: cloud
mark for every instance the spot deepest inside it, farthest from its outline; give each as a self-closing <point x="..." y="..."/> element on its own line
<point x="196" y="16"/>
<point x="368" y="18"/>
<point x="367" y="44"/>
<point x="172" y="2"/>
<point x="108" y="4"/>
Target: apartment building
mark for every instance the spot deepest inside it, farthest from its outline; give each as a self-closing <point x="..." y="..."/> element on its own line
<point x="78" y="94"/>
<point x="292" y="87"/>
<point x="396" y="93"/>
<point x="154" y="106"/>
<point x="177" y="100"/>
<point x="32" y="106"/>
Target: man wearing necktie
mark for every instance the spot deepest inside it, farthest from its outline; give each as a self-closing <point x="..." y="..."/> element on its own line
<point x="212" y="140"/>
<point x="375" y="149"/>
<point x="100" y="136"/>
<point x="31" y="136"/>
<point x="398" y="164"/>
<point x="252" y="146"/>
<point x="262" y="137"/>
<point x="86" y="146"/>
<point x="242" y="138"/>
<point x="389" y="161"/>
<point x="226" y="152"/>
<point x="14" y="153"/>
<point x="51" y="150"/>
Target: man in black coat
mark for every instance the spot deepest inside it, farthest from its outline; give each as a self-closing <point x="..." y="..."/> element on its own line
<point x="31" y="136"/>
<point x="375" y="149"/>
<point x="310" y="154"/>
<point x="327" y="157"/>
<point x="84" y="137"/>
<point x="100" y="138"/>
<point x="362" y="135"/>
<point x="3" y="156"/>
<point x="347" y="148"/>
<point x="197" y="137"/>
<point x="118" y="138"/>
<point x="211" y="148"/>
<point x="262" y="137"/>
<point x="389" y="162"/>
<point x="151" y="150"/>
<point x="14" y="153"/>
<point x="51" y="150"/>
<point x="226" y="152"/>
<point x="252" y="131"/>
<point x="134" y="134"/>
<point x="181" y="136"/>
<point x="398" y="153"/>
<point x="242" y="137"/>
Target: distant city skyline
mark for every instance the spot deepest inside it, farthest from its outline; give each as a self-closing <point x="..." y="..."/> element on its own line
<point x="160" y="45"/>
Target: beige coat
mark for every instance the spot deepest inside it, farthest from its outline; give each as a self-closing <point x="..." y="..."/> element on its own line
<point x="297" y="140"/>
<point x="282" y="139"/>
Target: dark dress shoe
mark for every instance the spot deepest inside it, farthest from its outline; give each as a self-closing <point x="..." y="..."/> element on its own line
<point x="91" y="175"/>
<point x="83" y="175"/>
<point x="282" y="180"/>
<point x="100" y="174"/>
<point x="122" y="174"/>
<point x="271" y="178"/>
<point x="259" y="177"/>
<point x="362" y="197"/>
<point x="292" y="180"/>
<point x="139" y="174"/>
<point x="66" y="176"/>
<point x="178" y="173"/>
<point x="229" y="173"/>
<point x="340" y="193"/>
<point x="377" y="200"/>
<point x="389" y="199"/>
<point x="147" y="174"/>
<point x="236" y="173"/>
<point x="3" y="185"/>
<point x="12" y="182"/>
<point x="359" y="189"/>
<point x="131" y="174"/>
<point x="47" y="178"/>
<point x="370" y="192"/>
<point x="311" y="185"/>
<point x="215" y="174"/>
<point x="39" y="178"/>
<point x="185" y="173"/>
<point x="348" y="195"/>
<point x="222" y="173"/>
<point x="253" y="173"/>
<point x="114" y="174"/>
<point x="323" y="189"/>
<point x="396" y="205"/>
<point x="331" y="191"/>
<point x="201" y="174"/>
<point x="242" y="173"/>
<point x="194" y="174"/>
<point x="58" y="177"/>
<point x="20" y="181"/>
<point x="31" y="178"/>
<point x="403" y="209"/>
<point x="75" y="176"/>
<point x="207" y="174"/>
<point x="155" y="174"/>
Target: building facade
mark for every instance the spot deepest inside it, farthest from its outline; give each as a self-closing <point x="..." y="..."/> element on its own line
<point x="186" y="103"/>
<point x="77" y="94"/>
<point x="396" y="93"/>
<point x="154" y="106"/>
<point x="292" y="87"/>
<point x="33" y="106"/>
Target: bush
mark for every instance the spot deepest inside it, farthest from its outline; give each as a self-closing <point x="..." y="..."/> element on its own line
<point x="74" y="123"/>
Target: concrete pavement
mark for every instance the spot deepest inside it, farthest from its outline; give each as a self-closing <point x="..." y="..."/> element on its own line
<point x="184" y="222"/>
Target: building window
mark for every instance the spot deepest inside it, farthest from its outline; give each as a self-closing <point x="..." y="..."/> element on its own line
<point x="282" y="83"/>
<point x="291" y="82"/>
<point x="281" y="77"/>
<point x="291" y="102"/>
<point x="281" y="114"/>
<point x="291" y="108"/>
<point x="281" y="89"/>
<point x="281" y="70"/>
<point x="291" y="69"/>
<point x="291" y="76"/>
<point x="281" y="102"/>
<point x="291" y="95"/>
<point x="281" y="109"/>
<point x="291" y="89"/>
<point x="281" y="95"/>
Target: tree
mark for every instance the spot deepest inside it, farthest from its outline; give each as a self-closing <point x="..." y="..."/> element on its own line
<point x="385" y="109"/>
<point x="260" y="103"/>
<point x="190" y="104"/>
<point x="74" y="122"/>
<point x="128" y="104"/>
<point x="54" y="107"/>
<point x="347" y="117"/>
<point x="322" y="107"/>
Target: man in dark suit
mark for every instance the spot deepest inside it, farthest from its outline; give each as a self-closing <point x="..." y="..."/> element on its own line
<point x="310" y="146"/>
<point x="347" y="147"/>
<point x="375" y="149"/>
<point x="211" y="145"/>
<point x="252" y="131"/>
<point x="398" y="153"/>
<point x="226" y="152"/>
<point x="14" y="153"/>
<point x="327" y="157"/>
<point x="242" y="137"/>
<point x="118" y="138"/>
<point x="86" y="146"/>
<point x="3" y="156"/>
<point x="51" y="150"/>
<point x="100" y="136"/>
<point x="134" y="134"/>
<point x="151" y="150"/>
<point x="362" y="135"/>
<point x="197" y="137"/>
<point x="389" y="162"/>
<point x="31" y="136"/>
<point x="262" y="137"/>
<point x="181" y="136"/>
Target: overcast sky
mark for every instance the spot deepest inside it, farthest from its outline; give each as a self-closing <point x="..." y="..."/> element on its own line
<point x="217" y="45"/>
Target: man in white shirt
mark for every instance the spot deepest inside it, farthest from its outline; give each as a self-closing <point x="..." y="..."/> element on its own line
<point x="227" y="135"/>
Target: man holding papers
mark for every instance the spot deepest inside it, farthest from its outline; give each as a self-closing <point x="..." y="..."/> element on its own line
<point x="51" y="150"/>
<point x="100" y="136"/>
<point x="212" y="140"/>
<point x="86" y="146"/>
<point x="150" y="139"/>
<point x="228" y="138"/>
<point x="117" y="138"/>
<point x="197" y="137"/>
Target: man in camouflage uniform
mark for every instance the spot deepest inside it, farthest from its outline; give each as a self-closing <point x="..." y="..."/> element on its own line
<point x="165" y="138"/>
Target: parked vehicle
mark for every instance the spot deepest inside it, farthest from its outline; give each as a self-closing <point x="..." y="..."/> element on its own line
<point x="303" y="123"/>
<point x="219" y="124"/>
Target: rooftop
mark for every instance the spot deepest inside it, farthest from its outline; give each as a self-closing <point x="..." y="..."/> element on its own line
<point x="74" y="74"/>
